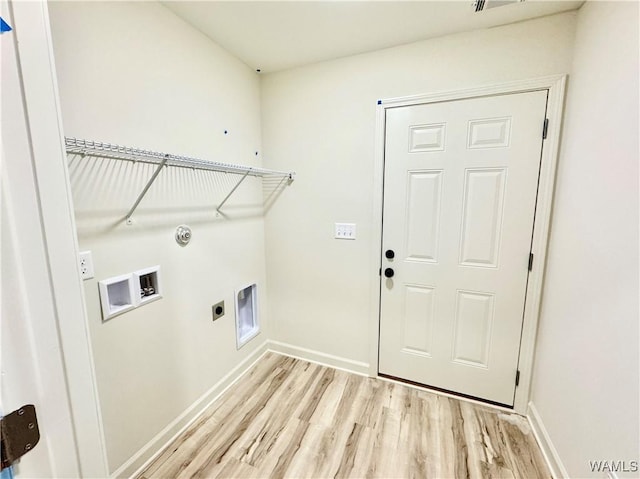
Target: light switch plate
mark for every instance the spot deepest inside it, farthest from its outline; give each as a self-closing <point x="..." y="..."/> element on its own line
<point x="345" y="231"/>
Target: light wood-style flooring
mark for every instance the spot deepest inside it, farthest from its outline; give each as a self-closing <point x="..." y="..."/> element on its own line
<point x="290" y="418"/>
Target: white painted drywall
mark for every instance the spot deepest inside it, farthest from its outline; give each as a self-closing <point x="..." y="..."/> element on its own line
<point x="320" y="121"/>
<point x="585" y="385"/>
<point x="135" y="74"/>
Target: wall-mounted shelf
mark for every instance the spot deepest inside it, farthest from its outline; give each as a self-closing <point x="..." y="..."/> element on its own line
<point x="117" y="152"/>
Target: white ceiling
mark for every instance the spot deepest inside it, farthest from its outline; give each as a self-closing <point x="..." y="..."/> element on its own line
<point x="277" y="35"/>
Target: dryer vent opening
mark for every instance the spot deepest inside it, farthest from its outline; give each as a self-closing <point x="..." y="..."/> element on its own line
<point x="247" y="325"/>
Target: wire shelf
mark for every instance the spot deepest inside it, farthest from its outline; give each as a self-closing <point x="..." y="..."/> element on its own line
<point x="118" y="152"/>
<point x="109" y="150"/>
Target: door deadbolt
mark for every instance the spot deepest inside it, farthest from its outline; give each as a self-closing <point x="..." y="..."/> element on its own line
<point x="390" y="254"/>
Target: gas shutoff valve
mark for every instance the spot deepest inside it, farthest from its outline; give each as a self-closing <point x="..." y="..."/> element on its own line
<point x="183" y="235"/>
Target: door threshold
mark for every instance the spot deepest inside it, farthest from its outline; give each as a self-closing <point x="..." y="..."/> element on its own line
<point x="446" y="392"/>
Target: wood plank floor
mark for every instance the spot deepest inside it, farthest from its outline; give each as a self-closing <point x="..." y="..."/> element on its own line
<point x="290" y="418"/>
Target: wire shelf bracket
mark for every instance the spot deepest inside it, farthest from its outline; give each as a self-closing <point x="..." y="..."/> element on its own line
<point x="232" y="191"/>
<point x="117" y="152"/>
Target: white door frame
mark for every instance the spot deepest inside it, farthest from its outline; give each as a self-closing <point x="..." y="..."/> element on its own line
<point x="555" y="85"/>
<point x="51" y="183"/>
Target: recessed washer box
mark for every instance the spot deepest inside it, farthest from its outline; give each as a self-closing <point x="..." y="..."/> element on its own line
<point x="147" y="282"/>
<point x="247" y="326"/>
<point x="117" y="295"/>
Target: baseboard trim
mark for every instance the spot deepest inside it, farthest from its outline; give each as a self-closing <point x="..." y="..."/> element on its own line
<point x="549" y="451"/>
<point x="150" y="451"/>
<point x="324" y="359"/>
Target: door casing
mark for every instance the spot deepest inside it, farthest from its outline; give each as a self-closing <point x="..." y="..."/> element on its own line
<point x="51" y="185"/>
<point x="556" y="87"/>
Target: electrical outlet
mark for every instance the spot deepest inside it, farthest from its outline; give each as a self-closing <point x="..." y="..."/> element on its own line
<point x="85" y="262"/>
<point x="345" y="231"/>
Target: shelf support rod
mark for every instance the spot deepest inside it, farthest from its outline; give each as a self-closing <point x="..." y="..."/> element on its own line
<point x="234" y="189"/>
<point x="146" y="188"/>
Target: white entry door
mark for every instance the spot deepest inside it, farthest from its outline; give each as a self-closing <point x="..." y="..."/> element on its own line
<point x="460" y="187"/>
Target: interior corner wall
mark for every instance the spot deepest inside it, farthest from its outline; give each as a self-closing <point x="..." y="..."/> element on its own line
<point x="133" y="73"/>
<point x="585" y="386"/>
<point x="320" y="121"/>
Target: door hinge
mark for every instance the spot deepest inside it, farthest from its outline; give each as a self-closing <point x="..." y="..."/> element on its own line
<point x="517" y="377"/>
<point x="530" y="261"/>
<point x="19" y="434"/>
<point x="545" y="128"/>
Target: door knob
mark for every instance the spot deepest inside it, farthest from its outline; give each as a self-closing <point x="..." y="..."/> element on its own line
<point x="390" y="254"/>
<point x="389" y="272"/>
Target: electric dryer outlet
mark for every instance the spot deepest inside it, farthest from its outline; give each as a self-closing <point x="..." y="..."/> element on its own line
<point x="218" y="310"/>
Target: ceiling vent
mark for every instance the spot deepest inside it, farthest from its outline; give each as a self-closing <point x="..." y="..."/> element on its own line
<point x="481" y="5"/>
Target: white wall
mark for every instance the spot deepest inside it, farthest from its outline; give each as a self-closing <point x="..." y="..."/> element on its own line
<point x="586" y="375"/>
<point x="320" y="121"/>
<point x="135" y="74"/>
